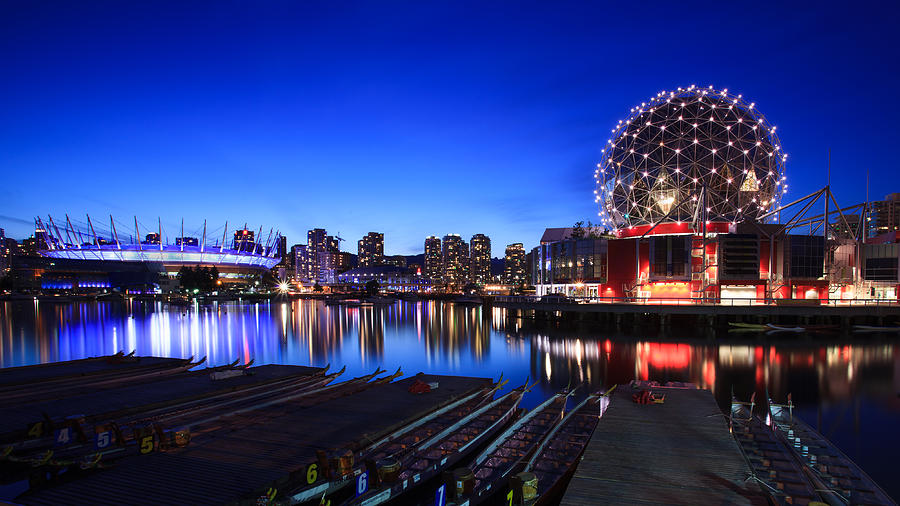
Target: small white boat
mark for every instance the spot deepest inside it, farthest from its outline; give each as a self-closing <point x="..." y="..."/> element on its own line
<point x="872" y="328"/>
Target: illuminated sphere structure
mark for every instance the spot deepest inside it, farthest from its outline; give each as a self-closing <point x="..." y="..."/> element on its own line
<point x="685" y="149"/>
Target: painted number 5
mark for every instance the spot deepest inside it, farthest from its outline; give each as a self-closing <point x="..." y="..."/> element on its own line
<point x="103" y="439"/>
<point x="146" y="444"/>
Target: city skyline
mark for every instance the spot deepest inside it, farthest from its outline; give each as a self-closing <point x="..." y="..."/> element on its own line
<point x="354" y="119"/>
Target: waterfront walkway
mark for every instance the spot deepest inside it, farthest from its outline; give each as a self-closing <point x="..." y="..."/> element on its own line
<point x="678" y="452"/>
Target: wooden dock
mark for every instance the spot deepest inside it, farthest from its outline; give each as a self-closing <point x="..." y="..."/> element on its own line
<point x="260" y="450"/>
<point x="678" y="452"/>
<point x="118" y="400"/>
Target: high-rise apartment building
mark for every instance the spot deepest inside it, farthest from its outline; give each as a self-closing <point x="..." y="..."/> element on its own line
<point x="395" y="260"/>
<point x="323" y="259"/>
<point x="371" y="250"/>
<point x="886" y="215"/>
<point x="187" y="241"/>
<point x="316" y="246"/>
<point x="433" y="259"/>
<point x="464" y="261"/>
<point x="514" y="265"/>
<point x="283" y="252"/>
<point x="300" y="259"/>
<point x="243" y="240"/>
<point x="480" y="259"/>
<point x="454" y="259"/>
<point x="4" y="254"/>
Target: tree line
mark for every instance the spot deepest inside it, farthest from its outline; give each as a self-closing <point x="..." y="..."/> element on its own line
<point x="199" y="278"/>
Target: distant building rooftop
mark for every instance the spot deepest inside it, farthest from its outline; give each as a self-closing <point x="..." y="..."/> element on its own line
<point x="556" y="234"/>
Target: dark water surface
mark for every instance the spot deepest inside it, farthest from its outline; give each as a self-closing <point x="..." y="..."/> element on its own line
<point x="846" y="385"/>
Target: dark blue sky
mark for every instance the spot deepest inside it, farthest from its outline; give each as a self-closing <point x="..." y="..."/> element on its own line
<point x="409" y="118"/>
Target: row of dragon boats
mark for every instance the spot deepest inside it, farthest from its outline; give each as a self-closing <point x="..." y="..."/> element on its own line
<point x="793" y="462"/>
<point x="477" y="450"/>
<point x="772" y="328"/>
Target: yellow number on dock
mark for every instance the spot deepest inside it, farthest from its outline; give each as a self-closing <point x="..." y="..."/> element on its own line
<point x="36" y="429"/>
<point x="147" y="444"/>
<point x="509" y="498"/>
<point x="312" y="473"/>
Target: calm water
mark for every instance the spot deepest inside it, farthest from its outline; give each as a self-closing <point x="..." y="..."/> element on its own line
<point x="847" y="386"/>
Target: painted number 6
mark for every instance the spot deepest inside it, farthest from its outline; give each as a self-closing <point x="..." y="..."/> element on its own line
<point x="312" y="473"/>
<point x="362" y="483"/>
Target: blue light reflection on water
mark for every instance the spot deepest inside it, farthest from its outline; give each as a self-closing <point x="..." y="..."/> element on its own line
<point x="846" y="386"/>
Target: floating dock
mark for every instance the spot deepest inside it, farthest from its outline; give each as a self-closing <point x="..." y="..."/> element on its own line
<point x="242" y="447"/>
<point x="677" y="452"/>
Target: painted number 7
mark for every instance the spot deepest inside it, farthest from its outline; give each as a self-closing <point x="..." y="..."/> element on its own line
<point x="440" y="496"/>
<point x="509" y="498"/>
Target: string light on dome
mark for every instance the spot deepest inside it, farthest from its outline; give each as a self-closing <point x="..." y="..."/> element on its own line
<point x="647" y="186"/>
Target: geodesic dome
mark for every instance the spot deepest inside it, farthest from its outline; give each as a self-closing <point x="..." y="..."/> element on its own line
<point x="680" y="143"/>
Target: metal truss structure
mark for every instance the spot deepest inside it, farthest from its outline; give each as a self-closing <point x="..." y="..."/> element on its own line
<point x="685" y="149"/>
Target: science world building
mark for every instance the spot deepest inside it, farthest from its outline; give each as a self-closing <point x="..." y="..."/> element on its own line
<point x="689" y="189"/>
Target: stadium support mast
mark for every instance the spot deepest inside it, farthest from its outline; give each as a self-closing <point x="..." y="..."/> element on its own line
<point x="50" y="221"/>
<point x="115" y="234"/>
<point x="76" y="232"/>
<point x="224" y="237"/>
<point x="159" y="237"/>
<point x="182" y="235"/>
<point x="96" y="241"/>
<point x="137" y="233"/>
<point x="203" y="240"/>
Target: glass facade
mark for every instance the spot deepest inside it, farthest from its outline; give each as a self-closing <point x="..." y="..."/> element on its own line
<point x="806" y="256"/>
<point x="881" y="262"/>
<point x="571" y="261"/>
<point x="669" y="256"/>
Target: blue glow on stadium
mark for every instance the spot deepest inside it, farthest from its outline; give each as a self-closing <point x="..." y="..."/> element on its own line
<point x="245" y="253"/>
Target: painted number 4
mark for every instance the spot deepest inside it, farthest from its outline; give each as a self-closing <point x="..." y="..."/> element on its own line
<point x="362" y="483"/>
<point x="63" y="436"/>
